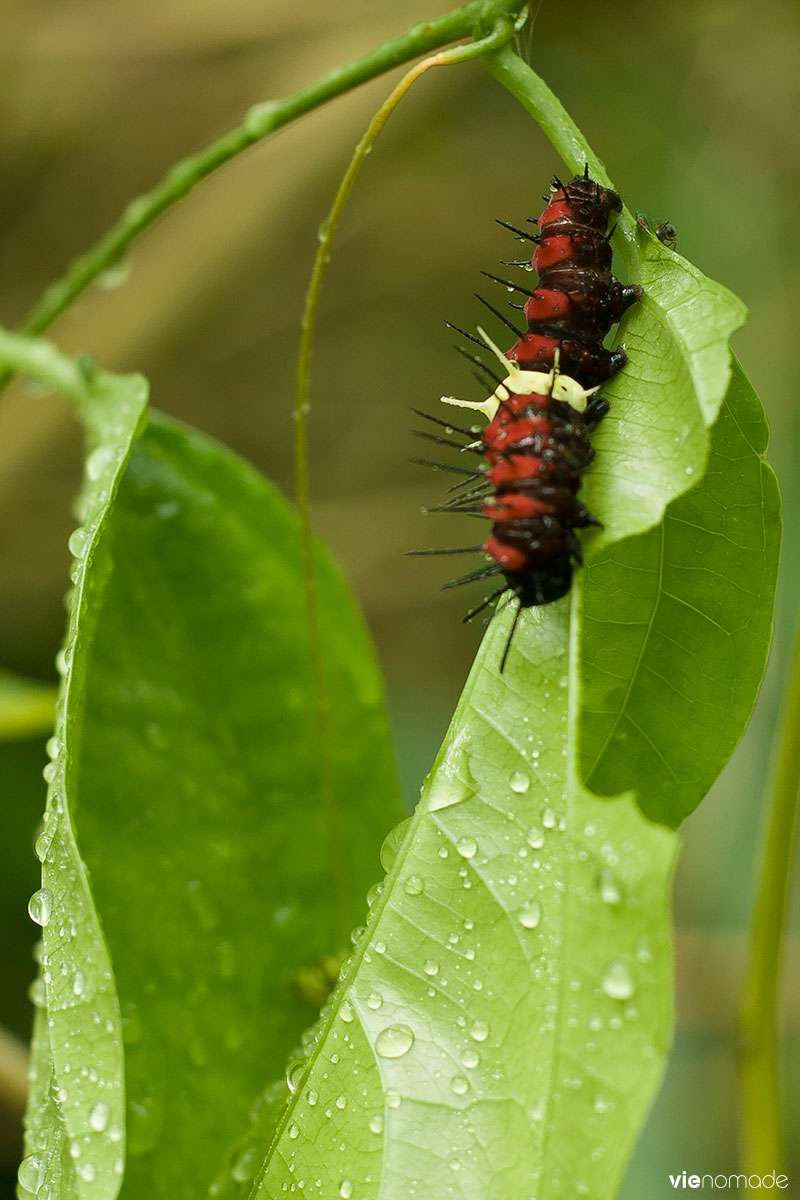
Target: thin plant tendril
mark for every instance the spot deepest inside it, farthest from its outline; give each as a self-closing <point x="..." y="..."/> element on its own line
<point x="499" y="37"/>
<point x="759" y="1058"/>
<point x="259" y="122"/>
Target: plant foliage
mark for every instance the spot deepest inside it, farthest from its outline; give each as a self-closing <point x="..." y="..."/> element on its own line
<point x="212" y="823"/>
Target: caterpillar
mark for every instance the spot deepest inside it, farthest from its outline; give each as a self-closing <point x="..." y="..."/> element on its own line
<point x="536" y="445"/>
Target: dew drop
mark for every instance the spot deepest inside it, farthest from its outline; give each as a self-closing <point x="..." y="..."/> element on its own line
<point x="470" y="1058"/>
<point x="294" y="1131"/>
<point x="548" y="818"/>
<point x="30" y="1172"/>
<point x="600" y="1104"/>
<point x="609" y="888"/>
<point x="294" y="1073"/>
<point x="42" y="845"/>
<point x="312" y="1098"/>
<point x="346" y="1013"/>
<point x="519" y="782"/>
<point x="535" y="837"/>
<point x="618" y="982"/>
<point x="115" y="276"/>
<point x="539" y="1109"/>
<point x="374" y="1001"/>
<point x="530" y="915"/>
<point x="414" y="886"/>
<point x="479" y="1031"/>
<point x="244" y="1166"/>
<point x="87" y="1172"/>
<point x="643" y="954"/>
<point x="394" y="1041"/>
<point x="376" y="1123"/>
<point x="393" y="1098"/>
<point x="37" y="994"/>
<point x="467" y="847"/>
<point x="341" y="1102"/>
<point x="78" y="541"/>
<point x="459" y="1085"/>
<point x="431" y="967"/>
<point x="78" y="983"/>
<point x="99" y="1116"/>
<point x="380" y="947"/>
<point x="345" y="1189"/>
<point x="98" y="462"/>
<point x="40" y="906"/>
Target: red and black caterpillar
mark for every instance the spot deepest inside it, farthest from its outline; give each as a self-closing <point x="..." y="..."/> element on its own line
<point x="536" y="445"/>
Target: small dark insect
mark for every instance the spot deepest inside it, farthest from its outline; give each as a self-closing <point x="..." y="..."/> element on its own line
<point x="536" y="445"/>
<point x="665" y="232"/>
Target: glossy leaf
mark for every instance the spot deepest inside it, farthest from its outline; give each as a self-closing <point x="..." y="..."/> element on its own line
<point x="502" y="1022"/>
<point x="502" y="1025"/>
<point x="204" y="795"/>
<point x="77" y="1106"/>
<point x="189" y="887"/>
<point x="677" y="623"/>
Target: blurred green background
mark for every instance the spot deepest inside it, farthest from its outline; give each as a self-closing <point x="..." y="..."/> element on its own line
<point x="694" y="108"/>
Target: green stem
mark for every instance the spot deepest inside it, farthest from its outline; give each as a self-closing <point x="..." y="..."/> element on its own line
<point x="261" y="120"/>
<point x="760" y="1122"/>
<point x="503" y="32"/>
<point x="42" y="362"/>
<point x="556" y="123"/>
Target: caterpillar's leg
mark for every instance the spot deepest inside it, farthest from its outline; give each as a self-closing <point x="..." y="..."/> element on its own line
<point x="596" y="408"/>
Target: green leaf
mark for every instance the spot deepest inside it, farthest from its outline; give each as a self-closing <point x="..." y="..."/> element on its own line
<point x="654" y="443"/>
<point x="502" y="1025"/>
<point x="200" y="795"/>
<point x="502" y="1022"/>
<point x="677" y="623"/>
<point x="189" y="889"/>
<point x="76" y="1121"/>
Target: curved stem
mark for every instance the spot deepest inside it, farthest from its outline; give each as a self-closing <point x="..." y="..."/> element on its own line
<point x="556" y="123"/>
<point x="759" y="1085"/>
<point x="504" y="31"/>
<point x="261" y="120"/>
<point x="41" y="361"/>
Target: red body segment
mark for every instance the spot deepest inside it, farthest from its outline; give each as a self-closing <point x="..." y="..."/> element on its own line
<point x="537" y="448"/>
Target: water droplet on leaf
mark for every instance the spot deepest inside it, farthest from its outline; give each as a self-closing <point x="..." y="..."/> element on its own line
<point x="618" y="981"/>
<point x="394" y="1041"/>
